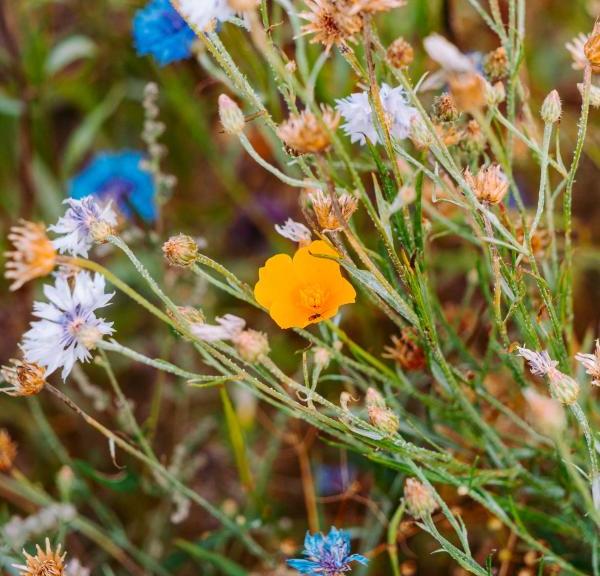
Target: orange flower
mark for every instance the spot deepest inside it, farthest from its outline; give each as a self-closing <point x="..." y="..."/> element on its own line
<point x="303" y="290"/>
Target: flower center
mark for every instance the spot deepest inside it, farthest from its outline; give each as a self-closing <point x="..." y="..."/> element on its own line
<point x="313" y="297"/>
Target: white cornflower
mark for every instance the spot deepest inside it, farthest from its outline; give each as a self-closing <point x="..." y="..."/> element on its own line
<point x="227" y="327"/>
<point x="77" y="227"/>
<point x="575" y="48"/>
<point x="294" y="231"/>
<point x="562" y="387"/>
<point x="591" y="363"/>
<point x="359" y="116"/>
<point x="68" y="327"/>
<point x="205" y="14"/>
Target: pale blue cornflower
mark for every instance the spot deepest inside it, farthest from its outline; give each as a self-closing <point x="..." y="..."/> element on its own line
<point x="327" y="555"/>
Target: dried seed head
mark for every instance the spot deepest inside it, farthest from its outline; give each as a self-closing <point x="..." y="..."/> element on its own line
<point x="303" y="133"/>
<point x="180" y="250"/>
<point x="331" y="22"/>
<point x="251" y="345"/>
<point x="25" y="378"/>
<point x="551" y="108"/>
<point x="384" y="419"/>
<point x="591" y="48"/>
<point x="468" y="89"/>
<point x="495" y="64"/>
<point x="232" y="118"/>
<point x="490" y="185"/>
<point x="8" y="451"/>
<point x="405" y="350"/>
<point x="44" y="562"/>
<point x="400" y="53"/>
<point x="33" y="256"/>
<point x="420" y="501"/>
<point x="547" y="415"/>
<point x="444" y="109"/>
<point x="326" y="213"/>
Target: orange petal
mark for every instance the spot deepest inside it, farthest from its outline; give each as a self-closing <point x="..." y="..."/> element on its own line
<point x="309" y="267"/>
<point x="287" y="313"/>
<point x="275" y="277"/>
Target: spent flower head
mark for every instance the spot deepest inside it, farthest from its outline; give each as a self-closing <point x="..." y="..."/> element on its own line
<point x="34" y="255"/>
<point x="329" y="217"/>
<point x="181" y="250"/>
<point x="304" y="133"/>
<point x="331" y="22"/>
<point x="68" y="327"/>
<point x="400" y="53"/>
<point x="420" y="500"/>
<point x="304" y="289"/>
<point x="591" y="48"/>
<point x="327" y="554"/>
<point x="24" y="378"/>
<point x="76" y="227"/>
<point x="489" y="185"/>
<point x="46" y="562"/>
<point x="591" y="363"/>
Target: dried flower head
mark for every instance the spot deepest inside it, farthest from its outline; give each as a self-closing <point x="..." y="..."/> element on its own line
<point x="186" y="314"/>
<point x="34" y="255"/>
<point x="591" y="363"/>
<point x="400" y="53"/>
<point x="490" y="185"/>
<point x="562" y="387"/>
<point x="380" y="415"/>
<point x="327" y="214"/>
<point x="8" y="451"/>
<point x="591" y="48"/>
<point x="331" y="22"/>
<point x="405" y="350"/>
<point x="469" y="90"/>
<point x="180" y="250"/>
<point x="547" y="415"/>
<point x="232" y="118"/>
<point x="304" y="133"/>
<point x="294" y="231"/>
<point x="251" y="345"/>
<point x="25" y="378"/>
<point x="444" y="109"/>
<point x="44" y="562"/>
<point x="495" y="64"/>
<point x="576" y="48"/>
<point x="420" y="501"/>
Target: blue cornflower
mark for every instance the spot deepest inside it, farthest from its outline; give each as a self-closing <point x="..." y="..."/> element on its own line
<point x="158" y="29"/>
<point x="118" y="177"/>
<point x="327" y="555"/>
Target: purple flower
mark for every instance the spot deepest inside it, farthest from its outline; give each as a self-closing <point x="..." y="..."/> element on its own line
<point x="327" y="555"/>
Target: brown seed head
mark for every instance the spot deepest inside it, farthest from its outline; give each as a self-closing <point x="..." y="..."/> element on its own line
<point x="25" y="378"/>
<point x="444" y="109"/>
<point x="495" y="64"/>
<point x="303" y="133"/>
<point x="490" y="185"/>
<point x="331" y="22"/>
<point x="180" y="250"/>
<point x="591" y="48"/>
<point x="326" y="213"/>
<point x="400" y="53"/>
<point x="44" y="562"/>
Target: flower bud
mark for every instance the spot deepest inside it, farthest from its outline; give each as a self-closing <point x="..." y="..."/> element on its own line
<point x="374" y="399"/>
<point x="420" y="134"/>
<point x="384" y="419"/>
<point x="496" y="64"/>
<point x="547" y="415"/>
<point x="563" y="388"/>
<point x="231" y="116"/>
<point x="180" y="250"/>
<point x="251" y="345"/>
<point x="321" y="357"/>
<point x="551" y="108"/>
<point x="419" y="499"/>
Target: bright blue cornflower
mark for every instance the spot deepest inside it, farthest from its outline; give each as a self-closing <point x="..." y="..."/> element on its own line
<point x="159" y="30"/>
<point x="327" y="555"/>
<point x="118" y="177"/>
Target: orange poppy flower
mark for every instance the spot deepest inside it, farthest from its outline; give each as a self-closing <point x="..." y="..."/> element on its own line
<point x="304" y="289"/>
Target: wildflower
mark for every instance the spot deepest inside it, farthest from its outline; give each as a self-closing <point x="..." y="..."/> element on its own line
<point x="331" y="22"/>
<point x="118" y="177"/>
<point x="180" y="250"/>
<point x="444" y="108"/>
<point x="159" y="30"/>
<point x="406" y="351"/>
<point x="77" y="224"/>
<point x="591" y="48"/>
<point x="303" y="290"/>
<point x="294" y="231"/>
<point x="8" y="451"/>
<point x="232" y="118"/>
<point x="400" y="53"/>
<point x="359" y="116"/>
<point x="304" y="133"/>
<point x="327" y="555"/>
<point x="420" y="500"/>
<point x="551" y="108"/>
<point x="490" y="185"/>
<point x="25" y="378"/>
<point x="546" y="413"/>
<point x="33" y="256"/>
<point x="575" y="47"/>
<point x="591" y="363"/>
<point x="44" y="563"/>
<point x="68" y="327"/>
<point x="205" y="14"/>
<point x="496" y="65"/>
<point x="328" y="217"/>
<point x="379" y="414"/>
<point x="562" y="387"/>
